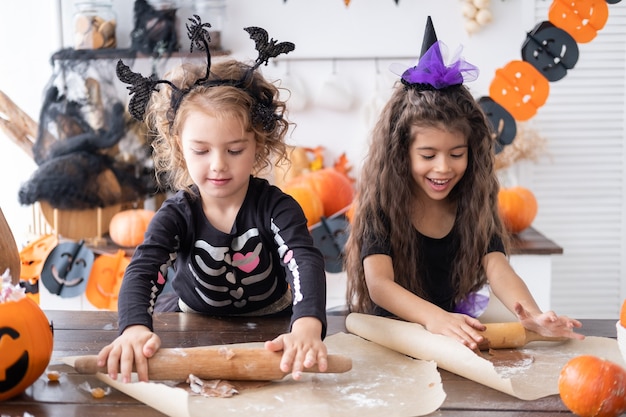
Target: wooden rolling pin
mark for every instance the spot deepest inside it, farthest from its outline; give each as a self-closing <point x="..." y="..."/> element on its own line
<point x="510" y="335"/>
<point x="236" y="364"/>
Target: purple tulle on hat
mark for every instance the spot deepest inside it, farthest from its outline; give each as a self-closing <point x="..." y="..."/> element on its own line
<point x="474" y="304"/>
<point x="432" y="70"/>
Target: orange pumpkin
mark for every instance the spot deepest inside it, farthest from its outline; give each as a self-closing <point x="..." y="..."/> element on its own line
<point x="334" y="188"/>
<point x="517" y="207"/>
<point x="25" y="345"/>
<point x="593" y="387"/>
<point x="127" y="227"/>
<point x="622" y="314"/>
<point x="309" y="201"/>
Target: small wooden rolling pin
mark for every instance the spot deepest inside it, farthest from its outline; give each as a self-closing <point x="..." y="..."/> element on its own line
<point x="236" y="364"/>
<point x="510" y="335"/>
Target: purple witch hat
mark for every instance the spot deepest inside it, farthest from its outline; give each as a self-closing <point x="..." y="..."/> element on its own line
<point x="431" y="71"/>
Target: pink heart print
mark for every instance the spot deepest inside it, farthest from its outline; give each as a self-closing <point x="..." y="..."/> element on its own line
<point x="247" y="263"/>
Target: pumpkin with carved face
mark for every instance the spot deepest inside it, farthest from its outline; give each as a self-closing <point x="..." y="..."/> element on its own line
<point x="25" y="345"/>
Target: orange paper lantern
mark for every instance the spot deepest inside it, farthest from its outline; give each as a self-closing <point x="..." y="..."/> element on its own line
<point x="580" y="18"/>
<point x="520" y="89"/>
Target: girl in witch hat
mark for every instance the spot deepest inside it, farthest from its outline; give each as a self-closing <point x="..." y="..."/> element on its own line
<point x="426" y="239"/>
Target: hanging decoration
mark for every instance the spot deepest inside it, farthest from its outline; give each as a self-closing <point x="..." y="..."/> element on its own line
<point x="476" y="13"/>
<point x="347" y="2"/>
<point x="521" y="87"/>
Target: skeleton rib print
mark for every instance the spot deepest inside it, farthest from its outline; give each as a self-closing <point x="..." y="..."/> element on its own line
<point x="233" y="275"/>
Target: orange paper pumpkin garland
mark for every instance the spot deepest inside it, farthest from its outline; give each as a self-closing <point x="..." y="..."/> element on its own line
<point x="549" y="52"/>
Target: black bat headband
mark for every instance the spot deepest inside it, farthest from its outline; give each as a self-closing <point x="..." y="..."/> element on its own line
<point x="263" y="110"/>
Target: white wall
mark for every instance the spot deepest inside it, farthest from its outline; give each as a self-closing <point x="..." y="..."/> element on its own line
<point x="381" y="32"/>
<point x="324" y="29"/>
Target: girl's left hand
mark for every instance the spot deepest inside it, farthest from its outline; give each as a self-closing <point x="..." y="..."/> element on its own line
<point x="302" y="348"/>
<point x="548" y="323"/>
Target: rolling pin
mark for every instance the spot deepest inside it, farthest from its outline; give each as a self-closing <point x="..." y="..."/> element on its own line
<point x="510" y="335"/>
<point x="236" y="364"/>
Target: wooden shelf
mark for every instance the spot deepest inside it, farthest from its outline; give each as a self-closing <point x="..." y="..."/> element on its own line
<point x="113" y="53"/>
<point x="531" y="242"/>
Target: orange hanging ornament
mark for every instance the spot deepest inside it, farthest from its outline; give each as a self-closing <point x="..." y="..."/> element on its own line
<point x="581" y="18"/>
<point x="520" y="89"/>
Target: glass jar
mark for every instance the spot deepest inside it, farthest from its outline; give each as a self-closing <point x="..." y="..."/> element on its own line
<point x="95" y="23"/>
<point x="213" y="12"/>
<point x="156" y="27"/>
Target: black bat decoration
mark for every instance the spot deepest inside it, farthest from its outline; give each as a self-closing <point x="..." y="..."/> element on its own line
<point x="198" y="33"/>
<point x="268" y="48"/>
<point x="140" y="89"/>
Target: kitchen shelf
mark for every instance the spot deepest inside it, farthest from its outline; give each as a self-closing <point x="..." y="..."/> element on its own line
<point x="126" y="53"/>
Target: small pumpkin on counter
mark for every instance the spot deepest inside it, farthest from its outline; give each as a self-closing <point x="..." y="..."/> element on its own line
<point x="309" y="201"/>
<point x="26" y="347"/>
<point x="517" y="207"/>
<point x="333" y="188"/>
<point x="127" y="227"/>
<point x="593" y="387"/>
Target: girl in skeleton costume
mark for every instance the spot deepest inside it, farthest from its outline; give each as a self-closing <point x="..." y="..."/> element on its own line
<point x="426" y="237"/>
<point x="230" y="243"/>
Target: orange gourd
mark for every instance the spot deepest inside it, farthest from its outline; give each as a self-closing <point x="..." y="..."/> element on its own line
<point x="593" y="387"/>
<point x="622" y="314"/>
<point x="309" y="201"/>
<point x="517" y="207"/>
<point x="127" y="228"/>
<point x="25" y="345"/>
<point x="334" y="188"/>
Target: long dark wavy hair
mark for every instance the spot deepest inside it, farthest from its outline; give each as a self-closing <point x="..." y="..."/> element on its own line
<point x="385" y="199"/>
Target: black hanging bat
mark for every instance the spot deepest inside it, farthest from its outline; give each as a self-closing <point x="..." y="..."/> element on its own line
<point x="268" y="48"/>
<point x="140" y="89"/>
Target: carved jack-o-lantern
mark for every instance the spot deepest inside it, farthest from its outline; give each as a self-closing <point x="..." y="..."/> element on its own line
<point x="520" y="89"/>
<point x="25" y="345"/>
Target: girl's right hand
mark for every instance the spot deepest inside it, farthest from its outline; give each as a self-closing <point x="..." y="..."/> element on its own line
<point x="460" y="327"/>
<point x="130" y="350"/>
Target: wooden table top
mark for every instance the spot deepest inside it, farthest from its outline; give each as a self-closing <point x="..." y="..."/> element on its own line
<point x="85" y="332"/>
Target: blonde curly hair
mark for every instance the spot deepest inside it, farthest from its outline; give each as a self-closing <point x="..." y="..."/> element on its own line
<point x="221" y="101"/>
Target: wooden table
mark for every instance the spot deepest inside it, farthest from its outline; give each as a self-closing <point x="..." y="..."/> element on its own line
<point x="83" y="333"/>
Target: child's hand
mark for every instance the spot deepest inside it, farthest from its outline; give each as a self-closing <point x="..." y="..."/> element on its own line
<point x="548" y="323"/>
<point x="302" y="348"/>
<point x="133" y="347"/>
<point x="460" y="327"/>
